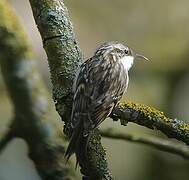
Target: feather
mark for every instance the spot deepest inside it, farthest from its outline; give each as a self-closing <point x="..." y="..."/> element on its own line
<point x="99" y="85"/>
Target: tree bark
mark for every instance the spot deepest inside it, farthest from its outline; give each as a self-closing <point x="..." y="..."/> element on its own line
<point x="64" y="57"/>
<point x="33" y="114"/>
<point x="151" y="118"/>
<point x="158" y="143"/>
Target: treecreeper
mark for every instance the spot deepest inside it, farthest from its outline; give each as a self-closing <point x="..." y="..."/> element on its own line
<point x="99" y="84"/>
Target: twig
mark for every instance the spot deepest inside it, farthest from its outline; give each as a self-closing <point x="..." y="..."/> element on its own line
<point x="151" y="118"/>
<point x="158" y="143"/>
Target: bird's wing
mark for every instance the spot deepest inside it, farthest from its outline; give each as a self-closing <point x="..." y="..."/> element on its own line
<point x="110" y="92"/>
<point x="98" y="86"/>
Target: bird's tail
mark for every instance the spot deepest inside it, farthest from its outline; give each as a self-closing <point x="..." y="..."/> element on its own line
<point x="78" y="144"/>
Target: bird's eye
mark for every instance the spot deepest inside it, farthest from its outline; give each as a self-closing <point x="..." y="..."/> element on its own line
<point x="126" y="51"/>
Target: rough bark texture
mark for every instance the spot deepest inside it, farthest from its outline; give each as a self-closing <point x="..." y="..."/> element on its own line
<point x="33" y="120"/>
<point x="33" y="115"/>
<point x="153" y="119"/>
<point x="64" y="57"/>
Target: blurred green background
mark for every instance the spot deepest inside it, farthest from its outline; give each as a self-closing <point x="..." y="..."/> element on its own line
<point x="157" y="29"/>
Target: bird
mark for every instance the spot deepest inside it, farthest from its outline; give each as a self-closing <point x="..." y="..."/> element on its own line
<point x="99" y="84"/>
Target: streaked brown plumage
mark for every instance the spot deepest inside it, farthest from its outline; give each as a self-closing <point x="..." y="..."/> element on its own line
<point x="99" y="85"/>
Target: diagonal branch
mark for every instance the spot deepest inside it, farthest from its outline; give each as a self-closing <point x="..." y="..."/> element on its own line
<point x="158" y="143"/>
<point x="153" y="119"/>
<point x="64" y="57"/>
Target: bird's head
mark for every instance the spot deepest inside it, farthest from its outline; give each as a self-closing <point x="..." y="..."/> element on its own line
<point x="119" y="52"/>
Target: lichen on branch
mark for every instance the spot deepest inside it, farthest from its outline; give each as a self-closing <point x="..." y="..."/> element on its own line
<point x="152" y="118"/>
<point x="33" y="115"/>
<point x="64" y="57"/>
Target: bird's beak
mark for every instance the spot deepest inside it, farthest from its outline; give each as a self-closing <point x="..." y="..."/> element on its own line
<point x="140" y="56"/>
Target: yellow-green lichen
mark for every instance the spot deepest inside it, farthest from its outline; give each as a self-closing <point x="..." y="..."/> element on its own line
<point x="154" y="119"/>
<point x="147" y="111"/>
<point x="184" y="127"/>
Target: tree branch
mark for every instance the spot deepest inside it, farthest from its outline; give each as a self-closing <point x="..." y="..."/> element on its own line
<point x="33" y="118"/>
<point x="151" y="118"/>
<point x="64" y="57"/>
<point x="158" y="143"/>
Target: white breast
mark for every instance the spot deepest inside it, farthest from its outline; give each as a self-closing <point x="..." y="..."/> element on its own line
<point x="127" y="62"/>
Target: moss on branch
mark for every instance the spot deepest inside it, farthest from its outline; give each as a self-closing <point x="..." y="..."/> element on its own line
<point x="153" y="119"/>
<point x="33" y="118"/>
<point x="62" y="49"/>
<point x="64" y="57"/>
